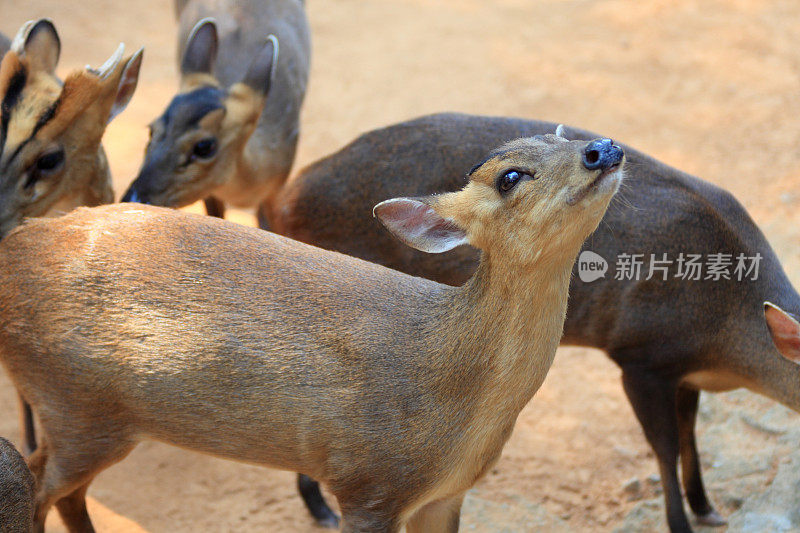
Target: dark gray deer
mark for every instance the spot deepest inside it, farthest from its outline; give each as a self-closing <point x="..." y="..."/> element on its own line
<point x="671" y="337"/>
<point x="230" y="135"/>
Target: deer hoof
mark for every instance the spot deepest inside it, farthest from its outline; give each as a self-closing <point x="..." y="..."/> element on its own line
<point x="711" y="519"/>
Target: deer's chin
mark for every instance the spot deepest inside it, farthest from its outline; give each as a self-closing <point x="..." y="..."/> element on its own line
<point x="611" y="173"/>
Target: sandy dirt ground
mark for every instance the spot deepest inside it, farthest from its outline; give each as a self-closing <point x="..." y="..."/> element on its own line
<point x="710" y="87"/>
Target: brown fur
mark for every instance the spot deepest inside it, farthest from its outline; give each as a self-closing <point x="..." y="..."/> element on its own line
<point x="396" y="391"/>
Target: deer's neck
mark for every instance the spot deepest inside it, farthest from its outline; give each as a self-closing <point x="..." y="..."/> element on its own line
<point x="508" y="324"/>
<point x="267" y="155"/>
<point x="260" y="170"/>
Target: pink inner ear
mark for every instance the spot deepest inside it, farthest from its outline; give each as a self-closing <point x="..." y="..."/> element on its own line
<point x="127" y="86"/>
<point x="420" y="226"/>
<point x="785" y="332"/>
<point x="412" y="218"/>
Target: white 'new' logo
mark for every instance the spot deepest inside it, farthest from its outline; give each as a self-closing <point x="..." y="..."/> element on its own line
<point x="591" y="266"/>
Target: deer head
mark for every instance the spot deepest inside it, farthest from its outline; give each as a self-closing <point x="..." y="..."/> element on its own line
<point x="51" y="160"/>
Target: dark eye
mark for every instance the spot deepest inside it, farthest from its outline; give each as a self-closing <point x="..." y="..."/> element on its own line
<point x="44" y="165"/>
<point x="50" y="161"/>
<point x="507" y="181"/>
<point x="205" y="148"/>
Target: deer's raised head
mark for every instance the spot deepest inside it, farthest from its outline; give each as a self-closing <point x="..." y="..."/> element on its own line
<point x="199" y="141"/>
<point x="51" y="160"/>
<point x="529" y="200"/>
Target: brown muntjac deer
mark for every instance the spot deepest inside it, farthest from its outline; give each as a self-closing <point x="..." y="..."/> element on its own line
<point x="51" y="160"/>
<point x="127" y="322"/>
<point x="16" y="491"/>
<point x="672" y="332"/>
<point x="230" y="135"/>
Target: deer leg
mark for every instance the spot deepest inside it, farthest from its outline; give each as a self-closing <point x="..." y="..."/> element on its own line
<point x="315" y="503"/>
<point x="654" y="402"/>
<point x="363" y="512"/>
<point x="687" y="400"/>
<point x="72" y="509"/>
<point x="27" y="427"/>
<point x="440" y="516"/>
<point x="263" y="219"/>
<point x="65" y="465"/>
<point x="367" y="523"/>
<point x="214" y="207"/>
<point x="36" y="463"/>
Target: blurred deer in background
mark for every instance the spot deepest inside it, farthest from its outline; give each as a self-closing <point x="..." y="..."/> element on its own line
<point x="396" y="391"/>
<point x="230" y="135"/>
<point x="51" y="160"/>
<point x="5" y="44"/>
<point x="672" y="336"/>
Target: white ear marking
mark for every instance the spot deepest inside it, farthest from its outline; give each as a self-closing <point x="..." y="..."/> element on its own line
<point x="38" y="41"/>
<point x="273" y="68"/>
<point x="200" y="24"/>
<point x="18" y="44"/>
<point x="560" y="131"/>
<point x="202" y="45"/>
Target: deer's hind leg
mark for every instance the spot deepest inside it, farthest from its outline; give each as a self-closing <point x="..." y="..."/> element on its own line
<point x="214" y="207"/>
<point x="315" y="502"/>
<point x="367" y="511"/>
<point x="690" y="460"/>
<point x="440" y="516"/>
<point x="73" y="450"/>
<point x="72" y="509"/>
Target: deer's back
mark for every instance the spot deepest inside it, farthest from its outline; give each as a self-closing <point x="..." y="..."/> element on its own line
<point x="126" y="262"/>
<point x="154" y="315"/>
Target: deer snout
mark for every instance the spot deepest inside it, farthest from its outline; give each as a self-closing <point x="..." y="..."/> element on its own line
<point x="602" y="154"/>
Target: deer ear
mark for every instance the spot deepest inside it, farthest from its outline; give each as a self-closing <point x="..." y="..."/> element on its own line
<point x="785" y="331"/>
<point x="262" y="69"/>
<point x="38" y="42"/>
<point x="127" y="84"/>
<point x="201" y="48"/>
<point x="416" y="223"/>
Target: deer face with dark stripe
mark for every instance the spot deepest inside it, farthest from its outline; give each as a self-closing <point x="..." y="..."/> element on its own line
<point x="199" y="143"/>
<point x="51" y="160"/>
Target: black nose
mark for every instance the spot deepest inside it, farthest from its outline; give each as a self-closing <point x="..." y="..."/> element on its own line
<point x="602" y="154"/>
